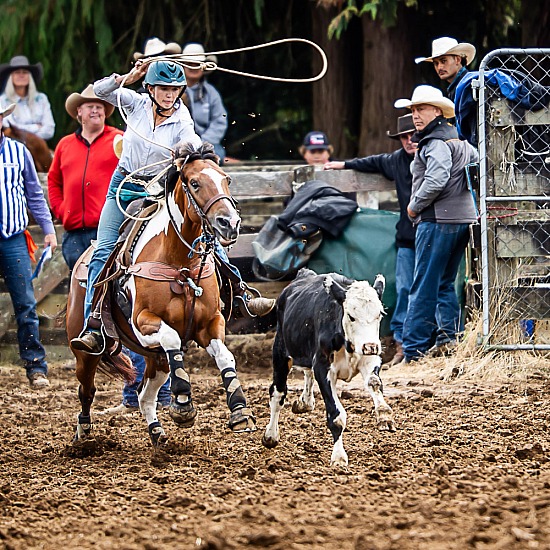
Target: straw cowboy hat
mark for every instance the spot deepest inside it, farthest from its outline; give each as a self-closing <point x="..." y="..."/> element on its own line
<point x="428" y="95"/>
<point x="8" y="110"/>
<point x="20" y="62"/>
<point x="117" y="145"/>
<point x="75" y="100"/>
<point x="405" y="125"/>
<point x="449" y="46"/>
<point x="155" y="46"/>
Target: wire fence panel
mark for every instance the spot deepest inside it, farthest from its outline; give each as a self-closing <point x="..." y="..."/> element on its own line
<point x="514" y="197"/>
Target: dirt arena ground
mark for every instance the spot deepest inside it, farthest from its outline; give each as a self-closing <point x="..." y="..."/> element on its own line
<point x="467" y="467"/>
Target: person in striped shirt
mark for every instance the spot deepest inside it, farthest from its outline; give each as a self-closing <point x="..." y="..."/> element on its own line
<point x="19" y="190"/>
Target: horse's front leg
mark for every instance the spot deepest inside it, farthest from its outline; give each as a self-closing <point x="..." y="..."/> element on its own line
<point x="241" y="418"/>
<point x="86" y="366"/>
<point x="154" y="331"/>
<point x="155" y="376"/>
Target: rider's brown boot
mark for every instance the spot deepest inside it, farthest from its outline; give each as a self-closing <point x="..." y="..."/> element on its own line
<point x="260" y="306"/>
<point x="89" y="342"/>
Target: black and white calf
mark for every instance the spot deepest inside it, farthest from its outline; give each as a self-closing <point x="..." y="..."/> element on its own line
<point x="330" y="325"/>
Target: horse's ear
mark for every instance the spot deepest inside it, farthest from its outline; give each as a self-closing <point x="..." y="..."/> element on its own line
<point x="172" y="177"/>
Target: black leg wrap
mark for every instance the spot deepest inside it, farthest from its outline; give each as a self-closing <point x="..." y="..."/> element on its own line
<point x="181" y="411"/>
<point x="179" y="378"/>
<point x="157" y="434"/>
<point x="241" y="418"/>
<point x="234" y="392"/>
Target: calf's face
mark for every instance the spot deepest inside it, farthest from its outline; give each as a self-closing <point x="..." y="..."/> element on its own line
<point x="363" y="312"/>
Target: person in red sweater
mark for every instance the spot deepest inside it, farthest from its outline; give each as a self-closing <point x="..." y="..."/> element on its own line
<point x="79" y="177"/>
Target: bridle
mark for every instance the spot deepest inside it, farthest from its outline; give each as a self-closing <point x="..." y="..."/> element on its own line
<point x="208" y="234"/>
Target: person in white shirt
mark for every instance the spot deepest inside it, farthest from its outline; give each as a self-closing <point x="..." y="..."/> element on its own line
<point x="162" y="118"/>
<point x="33" y="113"/>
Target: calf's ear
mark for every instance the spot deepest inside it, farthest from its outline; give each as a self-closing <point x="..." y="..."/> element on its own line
<point x="379" y="285"/>
<point x="337" y="291"/>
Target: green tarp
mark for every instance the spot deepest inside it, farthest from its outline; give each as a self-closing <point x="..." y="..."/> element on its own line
<point x="365" y="248"/>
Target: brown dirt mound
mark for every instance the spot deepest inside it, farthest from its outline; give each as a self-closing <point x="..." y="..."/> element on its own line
<point x="467" y="468"/>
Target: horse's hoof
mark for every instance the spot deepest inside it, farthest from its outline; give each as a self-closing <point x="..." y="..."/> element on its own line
<point x="157" y="434"/>
<point x="269" y="442"/>
<point x="299" y="407"/>
<point x="242" y="420"/>
<point x="183" y="415"/>
<point x="83" y="428"/>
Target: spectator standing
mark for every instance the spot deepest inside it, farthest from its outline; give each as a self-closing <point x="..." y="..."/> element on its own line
<point x="81" y="170"/>
<point x="19" y="190"/>
<point x="450" y="58"/>
<point x="205" y="102"/>
<point x="442" y="209"/>
<point x="33" y="113"/>
<point x="395" y="167"/>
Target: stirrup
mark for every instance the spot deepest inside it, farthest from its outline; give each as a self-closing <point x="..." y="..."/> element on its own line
<point x="91" y="332"/>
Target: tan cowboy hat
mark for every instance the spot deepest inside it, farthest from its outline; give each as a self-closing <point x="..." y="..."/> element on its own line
<point x="155" y="46"/>
<point x="428" y="95"/>
<point x="449" y="46"/>
<point x="20" y="62"/>
<point x="75" y="100"/>
<point x="8" y="110"/>
<point x="117" y="145"/>
<point x="405" y="125"/>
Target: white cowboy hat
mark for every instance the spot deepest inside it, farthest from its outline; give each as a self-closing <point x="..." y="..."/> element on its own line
<point x="8" y="110"/>
<point x="193" y="52"/>
<point x="428" y="95"/>
<point x="75" y="100"/>
<point x="449" y="46"/>
<point x="155" y="46"/>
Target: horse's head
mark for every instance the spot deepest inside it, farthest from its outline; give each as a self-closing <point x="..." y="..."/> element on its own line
<point x="205" y="189"/>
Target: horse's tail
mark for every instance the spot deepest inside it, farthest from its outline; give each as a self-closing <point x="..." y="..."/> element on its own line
<point x="119" y="366"/>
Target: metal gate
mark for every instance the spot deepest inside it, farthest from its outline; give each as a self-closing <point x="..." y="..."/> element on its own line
<point x="514" y="198"/>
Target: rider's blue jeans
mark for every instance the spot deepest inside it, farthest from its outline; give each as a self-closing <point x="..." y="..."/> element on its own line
<point x="107" y="233"/>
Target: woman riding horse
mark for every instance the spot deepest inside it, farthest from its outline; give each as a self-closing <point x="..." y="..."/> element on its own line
<point x="163" y="119"/>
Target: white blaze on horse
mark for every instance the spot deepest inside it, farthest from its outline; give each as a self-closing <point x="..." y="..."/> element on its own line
<point x="168" y="275"/>
<point x="329" y="327"/>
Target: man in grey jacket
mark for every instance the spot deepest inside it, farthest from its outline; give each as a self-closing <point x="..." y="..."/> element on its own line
<point x="442" y="209"/>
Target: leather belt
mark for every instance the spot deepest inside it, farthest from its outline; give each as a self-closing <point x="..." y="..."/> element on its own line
<point x="136" y="176"/>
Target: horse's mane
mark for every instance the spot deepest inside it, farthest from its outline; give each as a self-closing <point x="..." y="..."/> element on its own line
<point x="189" y="151"/>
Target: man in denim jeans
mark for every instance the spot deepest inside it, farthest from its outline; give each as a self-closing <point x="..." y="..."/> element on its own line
<point x="19" y="190"/>
<point x="442" y="209"/>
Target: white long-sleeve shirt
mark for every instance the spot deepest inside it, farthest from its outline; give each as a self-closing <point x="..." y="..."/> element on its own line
<point x="138" y="108"/>
<point x="37" y="118"/>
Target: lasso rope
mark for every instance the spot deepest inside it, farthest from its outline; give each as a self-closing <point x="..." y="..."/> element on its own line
<point x="183" y="60"/>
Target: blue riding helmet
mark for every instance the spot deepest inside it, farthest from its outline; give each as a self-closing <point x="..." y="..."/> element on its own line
<point x="165" y="73"/>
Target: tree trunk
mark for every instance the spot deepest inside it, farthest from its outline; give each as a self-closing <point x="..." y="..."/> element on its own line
<point x="388" y="74"/>
<point x="535" y="23"/>
<point x="336" y="98"/>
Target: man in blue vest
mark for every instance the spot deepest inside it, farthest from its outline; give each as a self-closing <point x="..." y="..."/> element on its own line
<point x="19" y="190"/>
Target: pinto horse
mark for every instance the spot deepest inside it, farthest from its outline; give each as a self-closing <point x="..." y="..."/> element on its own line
<point x="175" y="297"/>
